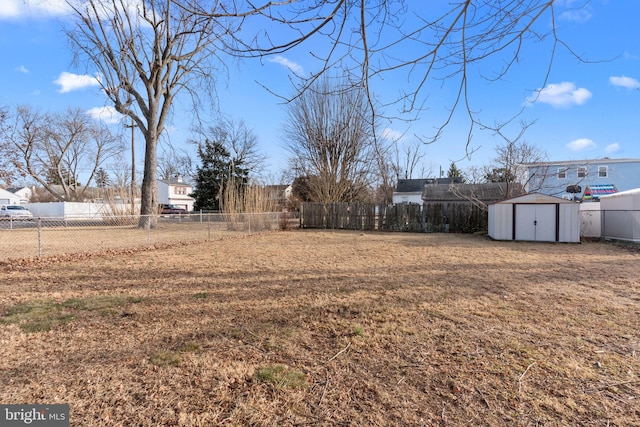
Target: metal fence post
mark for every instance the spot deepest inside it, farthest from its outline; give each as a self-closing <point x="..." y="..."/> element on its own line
<point x="149" y="231"/>
<point x="39" y="237"/>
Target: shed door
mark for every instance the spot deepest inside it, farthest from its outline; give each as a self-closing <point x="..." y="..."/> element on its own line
<point x="536" y="223"/>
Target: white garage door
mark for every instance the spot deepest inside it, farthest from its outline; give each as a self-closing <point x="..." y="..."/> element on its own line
<point x="536" y="222"/>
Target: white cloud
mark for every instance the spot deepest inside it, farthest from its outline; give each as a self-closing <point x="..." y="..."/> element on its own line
<point x="69" y="82"/>
<point x="10" y="9"/>
<point x="574" y="10"/>
<point x="576" y="15"/>
<point x="13" y="9"/>
<point x="106" y="114"/>
<point x="561" y="95"/>
<point x="391" y="135"/>
<point x="581" y="144"/>
<point x="293" y="66"/>
<point x="22" y="69"/>
<point x="612" y="148"/>
<point x="624" y="81"/>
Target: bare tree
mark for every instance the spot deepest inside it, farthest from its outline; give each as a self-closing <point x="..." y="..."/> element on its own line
<point x="172" y="164"/>
<point x="241" y="142"/>
<point x="10" y="166"/>
<point x="55" y="149"/>
<point x="145" y="54"/>
<point x="386" y="171"/>
<point x="421" y="44"/>
<point x="407" y="159"/>
<point x="331" y="142"/>
<point x="512" y="154"/>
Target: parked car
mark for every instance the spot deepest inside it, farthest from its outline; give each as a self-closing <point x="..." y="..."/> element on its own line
<point x="15" y="212"/>
<point x="171" y="210"/>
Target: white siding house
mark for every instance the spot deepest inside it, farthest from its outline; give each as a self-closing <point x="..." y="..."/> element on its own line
<point x="24" y="193"/>
<point x="175" y="192"/>
<point x="9" y="198"/>
<point x="535" y="217"/>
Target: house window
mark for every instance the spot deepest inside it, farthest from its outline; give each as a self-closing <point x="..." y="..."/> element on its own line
<point x="582" y="171"/>
<point x="562" y="173"/>
<point x="181" y="191"/>
<point x="603" y="172"/>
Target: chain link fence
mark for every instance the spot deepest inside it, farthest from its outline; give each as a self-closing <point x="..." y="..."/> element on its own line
<point x="43" y="237"/>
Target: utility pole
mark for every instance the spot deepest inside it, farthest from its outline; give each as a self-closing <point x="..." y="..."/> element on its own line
<point x="133" y="166"/>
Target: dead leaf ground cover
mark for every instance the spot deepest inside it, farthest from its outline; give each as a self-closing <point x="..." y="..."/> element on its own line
<point x="329" y="328"/>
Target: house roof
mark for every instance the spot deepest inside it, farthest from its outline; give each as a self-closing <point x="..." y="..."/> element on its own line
<point x="593" y="192"/>
<point x="579" y="162"/>
<point x="175" y="182"/>
<point x="16" y="189"/>
<point x="416" y="185"/>
<point x="488" y="192"/>
<point x="410" y="185"/>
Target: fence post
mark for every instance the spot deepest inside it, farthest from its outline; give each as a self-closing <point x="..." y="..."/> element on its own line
<point x="208" y="224"/>
<point x="149" y="231"/>
<point x="39" y="238"/>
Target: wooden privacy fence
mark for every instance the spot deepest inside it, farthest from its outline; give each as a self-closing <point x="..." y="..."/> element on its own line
<point x="455" y="217"/>
<point x="434" y="217"/>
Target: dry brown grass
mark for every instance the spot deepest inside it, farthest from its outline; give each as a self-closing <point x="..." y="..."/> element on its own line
<point x="330" y="328"/>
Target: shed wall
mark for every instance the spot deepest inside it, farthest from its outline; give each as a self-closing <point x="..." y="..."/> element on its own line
<point x="501" y="218"/>
<point x="501" y="221"/>
<point x="621" y="216"/>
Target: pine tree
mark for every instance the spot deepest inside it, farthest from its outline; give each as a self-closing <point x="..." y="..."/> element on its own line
<point x="213" y="176"/>
<point x="454" y="172"/>
<point x="102" y="179"/>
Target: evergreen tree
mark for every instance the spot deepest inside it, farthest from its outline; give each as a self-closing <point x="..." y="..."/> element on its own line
<point x="213" y="176"/>
<point x="454" y="172"/>
<point x="102" y="179"/>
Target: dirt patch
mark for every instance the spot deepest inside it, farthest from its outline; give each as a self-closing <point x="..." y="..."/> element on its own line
<point x="329" y="328"/>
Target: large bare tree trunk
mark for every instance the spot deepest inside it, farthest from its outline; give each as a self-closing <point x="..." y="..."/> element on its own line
<point x="145" y="54"/>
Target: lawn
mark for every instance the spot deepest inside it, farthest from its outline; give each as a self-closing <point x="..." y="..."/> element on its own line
<point x="328" y="328"/>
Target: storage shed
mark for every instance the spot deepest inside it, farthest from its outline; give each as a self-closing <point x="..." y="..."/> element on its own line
<point x="621" y="215"/>
<point x="535" y="217"/>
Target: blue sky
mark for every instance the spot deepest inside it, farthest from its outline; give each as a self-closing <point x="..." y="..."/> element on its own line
<point x="584" y="110"/>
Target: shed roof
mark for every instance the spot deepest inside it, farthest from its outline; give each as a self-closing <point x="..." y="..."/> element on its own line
<point x="488" y="192"/>
<point x="534" y="198"/>
<point x="627" y="193"/>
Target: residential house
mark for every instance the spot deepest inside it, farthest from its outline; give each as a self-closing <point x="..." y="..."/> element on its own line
<point x="175" y="192"/>
<point x="582" y="180"/>
<point x="409" y="191"/>
<point x="9" y="198"/>
<point x="24" y="193"/>
<point x="279" y="194"/>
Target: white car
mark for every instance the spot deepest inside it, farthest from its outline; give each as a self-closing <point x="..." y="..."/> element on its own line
<point x="15" y="212"/>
